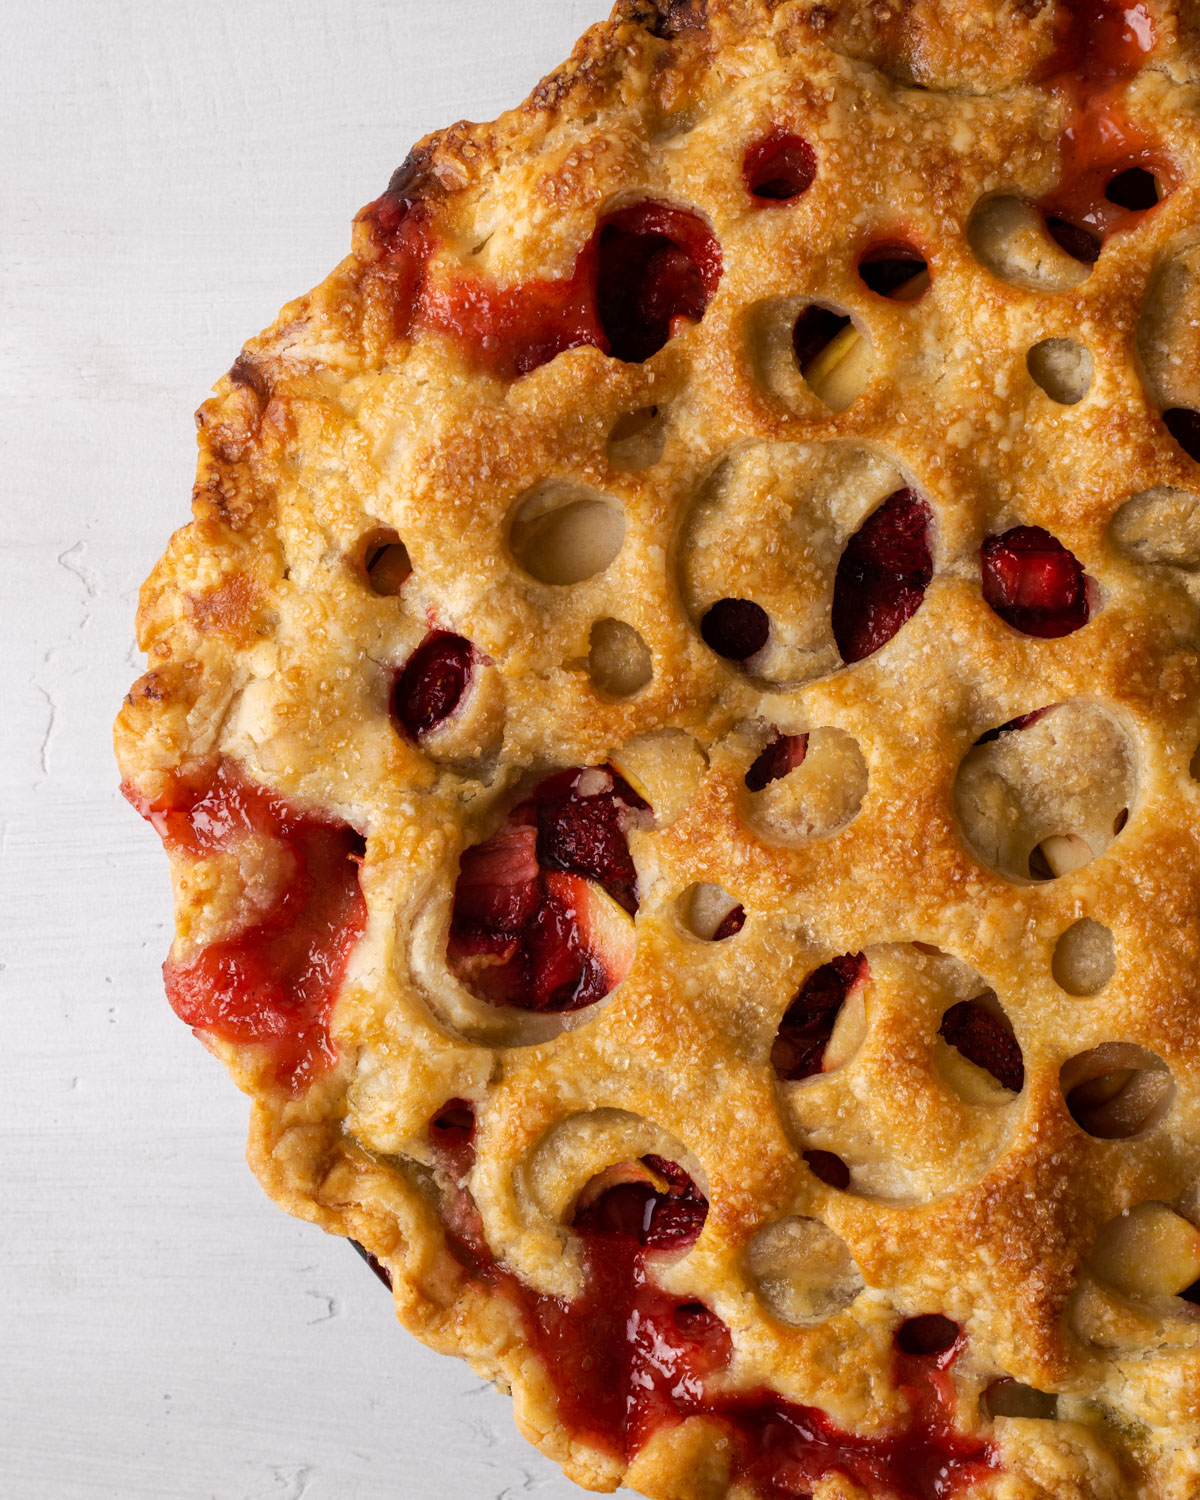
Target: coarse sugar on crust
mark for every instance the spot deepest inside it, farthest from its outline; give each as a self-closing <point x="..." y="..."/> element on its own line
<point x="674" y="726"/>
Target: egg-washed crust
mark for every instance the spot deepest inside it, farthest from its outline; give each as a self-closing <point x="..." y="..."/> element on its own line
<point x="266" y="646"/>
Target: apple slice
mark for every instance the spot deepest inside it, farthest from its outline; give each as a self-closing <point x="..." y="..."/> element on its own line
<point x="1149" y="1252"/>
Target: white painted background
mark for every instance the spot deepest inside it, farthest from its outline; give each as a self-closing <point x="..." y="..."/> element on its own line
<point x="170" y="173"/>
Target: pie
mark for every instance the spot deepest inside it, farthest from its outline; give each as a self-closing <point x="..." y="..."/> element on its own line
<point x="673" y="725"/>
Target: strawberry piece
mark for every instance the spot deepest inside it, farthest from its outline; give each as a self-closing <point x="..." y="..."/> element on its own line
<point x="780" y="168"/>
<point x="983" y="1038"/>
<point x="807" y="1025"/>
<point x="1033" y="583"/>
<point x="882" y="575"/>
<point x="542" y="916"/>
<point x="783" y="754"/>
<point x="669" y="1216"/>
<point x="730" y="924"/>
<point x="433" y="682"/>
<point x="736" y="629"/>
<point x="657" y="264"/>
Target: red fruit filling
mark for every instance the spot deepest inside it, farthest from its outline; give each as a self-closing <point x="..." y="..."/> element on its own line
<point x="807" y="1025"/>
<point x="275" y="982"/>
<point x="649" y="270"/>
<point x="780" y="168"/>
<point x="829" y="1169"/>
<point x="735" y="628"/>
<point x="626" y="1359"/>
<point x="658" y="268"/>
<point x="1022" y="721"/>
<point x="452" y="1132"/>
<point x="1033" y="583"/>
<point x="1184" y="426"/>
<point x="985" y="1039"/>
<point x="783" y="754"/>
<point x="882" y="575"/>
<point x="433" y="682"/>
<point x="730" y="924"/>
<point x="541" y="917"/>
<point x="1098" y="42"/>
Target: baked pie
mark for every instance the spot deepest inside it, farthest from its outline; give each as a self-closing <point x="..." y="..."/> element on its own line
<point x="674" y="729"/>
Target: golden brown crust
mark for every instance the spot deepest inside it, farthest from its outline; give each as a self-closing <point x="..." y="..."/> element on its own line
<point x="266" y="645"/>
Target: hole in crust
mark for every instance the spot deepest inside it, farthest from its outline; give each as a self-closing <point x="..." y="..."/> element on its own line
<point x="1034" y="583"/>
<point x="926" y="1335"/>
<point x="980" y="1034"/>
<point x="543" y="910"/>
<point x="658" y="268"/>
<point x="1149" y="1252"/>
<point x="1009" y="1398"/>
<point x="1011" y="239"/>
<point x="882" y="575"/>
<point x="384" y="560"/>
<point x="1135" y="189"/>
<point x="802" y="1271"/>
<point x="1084" y="958"/>
<point x="1184" y="426"/>
<point x="619" y="660"/>
<point x="820" y="1030"/>
<point x="651" y="1201"/>
<point x="780" y="168"/>
<point x="1117" y="1090"/>
<point x="432" y="683"/>
<point x="562" y="533"/>
<point x="832" y="355"/>
<point x="805" y="786"/>
<point x="1062" y="368"/>
<point x="829" y="1169"/>
<point x="736" y="629"/>
<point x="637" y="439"/>
<point x="710" y="913"/>
<point x="1040" y="797"/>
<point x="895" y="270"/>
<point x="1160" y="525"/>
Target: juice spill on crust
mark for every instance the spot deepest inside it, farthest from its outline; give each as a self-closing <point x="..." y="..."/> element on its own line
<point x="273" y="983"/>
<point x="627" y="1359"/>
<point x="1099" y="46"/>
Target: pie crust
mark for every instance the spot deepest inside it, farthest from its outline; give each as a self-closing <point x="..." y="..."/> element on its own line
<point x="750" y="496"/>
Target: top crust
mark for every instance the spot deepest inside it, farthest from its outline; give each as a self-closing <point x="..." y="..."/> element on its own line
<point x="368" y="404"/>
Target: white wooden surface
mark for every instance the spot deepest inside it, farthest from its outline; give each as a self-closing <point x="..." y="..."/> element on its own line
<point x="170" y="173"/>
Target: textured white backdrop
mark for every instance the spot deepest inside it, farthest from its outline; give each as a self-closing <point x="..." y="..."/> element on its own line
<point x="170" y="174"/>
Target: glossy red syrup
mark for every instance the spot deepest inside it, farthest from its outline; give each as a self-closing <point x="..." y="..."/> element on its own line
<point x="807" y="1025"/>
<point x="1099" y="46"/>
<point x="882" y="575"/>
<point x="273" y="984"/>
<point x="1034" y="583"/>
<point x="779" y="169"/>
<point x="984" y="1039"/>
<point x="649" y="270"/>
<point x="519" y="931"/>
<point x="783" y="754"/>
<point x="433" y="682"/>
<point x="626" y="1358"/>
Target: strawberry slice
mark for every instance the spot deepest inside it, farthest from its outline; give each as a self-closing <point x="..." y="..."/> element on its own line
<point x="807" y="1025"/>
<point x="780" y="168"/>
<point x="783" y="754"/>
<point x="983" y="1039"/>
<point x="658" y="267"/>
<point x="542" y="915"/>
<point x="1033" y="583"/>
<point x="433" y="682"/>
<point x="882" y="576"/>
<point x="652" y="1201"/>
